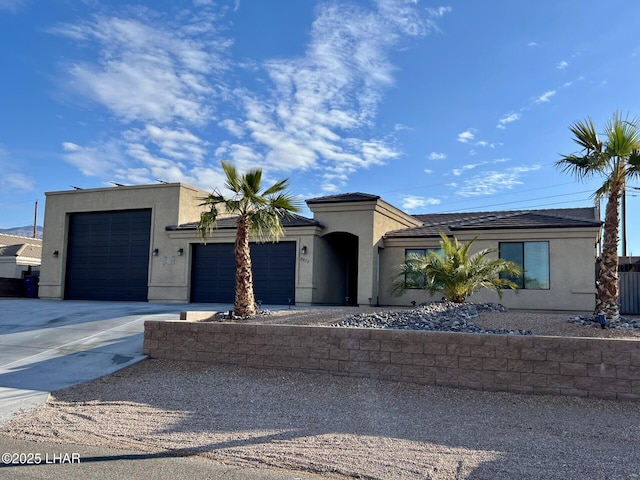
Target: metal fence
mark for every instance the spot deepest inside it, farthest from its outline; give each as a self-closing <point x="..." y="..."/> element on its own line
<point x="629" y="293"/>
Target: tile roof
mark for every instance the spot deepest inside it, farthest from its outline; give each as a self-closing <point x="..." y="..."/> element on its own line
<point x="6" y="239"/>
<point x="15" y="246"/>
<point x="449" y="223"/>
<point x="344" y="197"/>
<point x="230" y="222"/>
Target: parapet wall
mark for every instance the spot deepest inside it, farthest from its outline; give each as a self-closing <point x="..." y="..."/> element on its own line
<point x="590" y="367"/>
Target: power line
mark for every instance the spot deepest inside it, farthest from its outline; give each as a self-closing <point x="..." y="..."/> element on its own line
<point x="494" y="195"/>
<point x="527" y="200"/>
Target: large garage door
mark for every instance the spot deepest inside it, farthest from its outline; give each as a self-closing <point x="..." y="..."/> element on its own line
<point x="108" y="255"/>
<point x="213" y="273"/>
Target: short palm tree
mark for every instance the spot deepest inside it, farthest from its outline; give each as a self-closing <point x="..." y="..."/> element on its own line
<point x="259" y="214"/>
<point x="617" y="159"/>
<point x="455" y="273"/>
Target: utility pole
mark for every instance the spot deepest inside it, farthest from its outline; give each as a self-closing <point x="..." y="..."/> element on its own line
<point x="35" y="221"/>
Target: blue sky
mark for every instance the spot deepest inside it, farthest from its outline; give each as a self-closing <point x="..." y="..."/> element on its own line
<point x="436" y="107"/>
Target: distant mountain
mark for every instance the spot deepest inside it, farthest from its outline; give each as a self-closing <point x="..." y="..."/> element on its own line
<point x="23" y="231"/>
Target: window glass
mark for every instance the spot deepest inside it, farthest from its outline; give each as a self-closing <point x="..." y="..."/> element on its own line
<point x="513" y="252"/>
<point x="418" y="280"/>
<point x="536" y="265"/>
<point x="533" y="257"/>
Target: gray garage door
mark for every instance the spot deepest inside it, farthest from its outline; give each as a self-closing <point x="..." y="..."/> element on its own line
<point x="108" y="255"/>
<point x="213" y="273"/>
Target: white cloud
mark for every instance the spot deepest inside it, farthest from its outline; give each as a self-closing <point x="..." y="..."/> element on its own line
<point x="459" y="171"/>
<point x="147" y="72"/>
<point x="437" y="156"/>
<point x="399" y="127"/>
<point x="233" y="127"/>
<point x="177" y="144"/>
<point x="440" y="11"/>
<point x="427" y="170"/>
<point x="98" y="161"/>
<point x="470" y="166"/>
<point x="17" y="181"/>
<point x="562" y="65"/>
<point x="545" y="97"/>
<point x="467" y="136"/>
<point x="489" y="183"/>
<point x="411" y="202"/>
<point x="166" y="79"/>
<point x="532" y="44"/>
<point x="12" y="180"/>
<point x="325" y="98"/>
<point x="506" y="119"/>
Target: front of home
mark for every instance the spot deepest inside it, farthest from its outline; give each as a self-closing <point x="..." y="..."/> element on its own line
<point x="140" y="243"/>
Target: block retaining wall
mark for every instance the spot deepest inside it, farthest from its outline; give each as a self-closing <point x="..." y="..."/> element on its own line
<point x="589" y="367"/>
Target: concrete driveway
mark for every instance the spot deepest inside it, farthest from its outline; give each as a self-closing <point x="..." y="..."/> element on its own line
<point x="46" y="345"/>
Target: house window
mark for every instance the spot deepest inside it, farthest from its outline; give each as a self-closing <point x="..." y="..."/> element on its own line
<point x="533" y="257"/>
<point x="418" y="280"/>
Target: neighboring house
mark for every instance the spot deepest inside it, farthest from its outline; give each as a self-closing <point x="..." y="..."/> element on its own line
<point x="141" y="243"/>
<point x="19" y="256"/>
<point x="19" y="259"/>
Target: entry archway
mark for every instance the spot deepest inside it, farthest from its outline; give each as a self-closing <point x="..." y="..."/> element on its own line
<point x="342" y="261"/>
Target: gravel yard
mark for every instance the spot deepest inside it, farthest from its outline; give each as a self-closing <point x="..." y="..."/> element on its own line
<point x="349" y="427"/>
<point x="538" y="323"/>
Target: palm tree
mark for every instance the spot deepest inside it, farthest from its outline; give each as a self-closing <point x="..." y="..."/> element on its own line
<point x="454" y="272"/>
<point x="259" y="214"/>
<point x="617" y="159"/>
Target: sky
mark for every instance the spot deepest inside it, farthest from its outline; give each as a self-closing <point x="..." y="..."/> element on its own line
<point x="436" y="106"/>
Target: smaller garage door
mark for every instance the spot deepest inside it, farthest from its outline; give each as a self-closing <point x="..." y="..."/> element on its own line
<point x="213" y="273"/>
<point x="108" y="255"/>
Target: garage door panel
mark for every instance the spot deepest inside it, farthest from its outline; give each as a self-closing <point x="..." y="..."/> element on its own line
<point x="213" y="273"/>
<point x="108" y="255"/>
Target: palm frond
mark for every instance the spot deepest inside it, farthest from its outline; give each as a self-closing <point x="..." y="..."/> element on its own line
<point x="233" y="181"/>
<point x="455" y="273"/>
<point x="277" y="187"/>
<point x="623" y="136"/>
<point x="634" y="161"/>
<point x="207" y="223"/>
<point x="585" y="135"/>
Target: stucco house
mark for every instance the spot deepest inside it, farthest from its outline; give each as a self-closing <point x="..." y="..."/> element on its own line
<point x="141" y="243"/>
<point x="19" y="256"/>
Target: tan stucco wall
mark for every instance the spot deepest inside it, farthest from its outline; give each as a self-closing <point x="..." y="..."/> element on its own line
<point x="367" y="220"/>
<point x="572" y="254"/>
<point x="302" y="236"/>
<point x="170" y="204"/>
<point x="319" y="276"/>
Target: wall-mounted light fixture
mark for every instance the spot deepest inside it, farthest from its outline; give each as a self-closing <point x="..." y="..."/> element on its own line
<point x="56" y="253"/>
<point x="155" y="252"/>
<point x="180" y="252"/>
<point x="303" y="250"/>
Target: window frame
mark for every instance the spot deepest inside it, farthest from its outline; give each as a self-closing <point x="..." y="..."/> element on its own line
<point x="419" y="251"/>
<point x="521" y="280"/>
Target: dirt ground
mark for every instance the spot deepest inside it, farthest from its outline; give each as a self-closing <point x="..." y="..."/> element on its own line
<point x="344" y="427"/>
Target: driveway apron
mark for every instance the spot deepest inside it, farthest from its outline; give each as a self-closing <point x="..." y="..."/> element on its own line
<point x="46" y="345"/>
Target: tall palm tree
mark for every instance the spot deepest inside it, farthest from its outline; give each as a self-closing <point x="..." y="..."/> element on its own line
<point x="454" y="272"/>
<point x="259" y="214"/>
<point x="617" y="159"/>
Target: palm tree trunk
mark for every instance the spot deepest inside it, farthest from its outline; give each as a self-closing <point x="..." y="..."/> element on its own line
<point x="245" y="304"/>
<point x="608" y="288"/>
